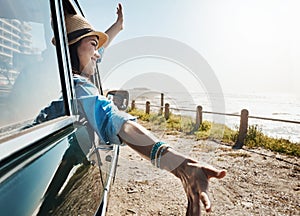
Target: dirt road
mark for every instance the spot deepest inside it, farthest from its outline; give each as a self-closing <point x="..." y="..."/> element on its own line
<point x="258" y="182"/>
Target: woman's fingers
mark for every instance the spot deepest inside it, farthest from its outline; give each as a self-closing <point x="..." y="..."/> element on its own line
<point x="194" y="205"/>
<point x="119" y="8"/>
<point x="214" y="173"/>
<point x="206" y="202"/>
<point x="210" y="171"/>
<point x="194" y="208"/>
<point x="189" y="209"/>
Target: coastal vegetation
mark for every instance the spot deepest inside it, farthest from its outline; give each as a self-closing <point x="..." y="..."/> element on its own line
<point x="255" y="138"/>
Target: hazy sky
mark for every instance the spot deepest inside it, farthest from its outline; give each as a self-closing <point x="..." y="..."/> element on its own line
<point x="252" y="46"/>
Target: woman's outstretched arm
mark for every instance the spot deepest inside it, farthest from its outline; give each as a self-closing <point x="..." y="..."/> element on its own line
<point x="116" y="27"/>
<point x="193" y="175"/>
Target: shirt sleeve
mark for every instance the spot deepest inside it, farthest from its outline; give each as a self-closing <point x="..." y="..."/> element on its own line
<point x="104" y="117"/>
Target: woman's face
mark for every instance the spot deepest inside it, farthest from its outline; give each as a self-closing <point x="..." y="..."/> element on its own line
<point x="88" y="55"/>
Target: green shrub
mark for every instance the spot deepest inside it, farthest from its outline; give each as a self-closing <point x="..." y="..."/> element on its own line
<point x="216" y="131"/>
<point x="180" y="123"/>
<point x="205" y="126"/>
<point x="255" y="138"/>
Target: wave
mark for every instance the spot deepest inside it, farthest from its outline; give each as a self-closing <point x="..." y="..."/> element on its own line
<point x="281" y="113"/>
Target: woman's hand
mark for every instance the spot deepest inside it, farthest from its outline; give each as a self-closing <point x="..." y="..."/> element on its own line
<point x="193" y="175"/>
<point x="194" y="178"/>
<point x="119" y="21"/>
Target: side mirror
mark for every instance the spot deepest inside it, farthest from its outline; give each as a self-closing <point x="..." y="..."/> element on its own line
<point x="119" y="97"/>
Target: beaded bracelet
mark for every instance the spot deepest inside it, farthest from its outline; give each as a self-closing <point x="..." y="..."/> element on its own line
<point x="159" y="152"/>
<point x="154" y="149"/>
<point x="164" y="148"/>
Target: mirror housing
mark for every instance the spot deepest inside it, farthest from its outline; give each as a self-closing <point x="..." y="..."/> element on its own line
<point x="119" y="97"/>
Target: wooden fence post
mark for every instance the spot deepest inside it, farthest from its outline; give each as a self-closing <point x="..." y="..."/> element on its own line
<point x="198" y="117"/>
<point x="242" y="130"/>
<point x="161" y="103"/>
<point x="132" y="104"/>
<point x="167" y="111"/>
<point x="147" y="107"/>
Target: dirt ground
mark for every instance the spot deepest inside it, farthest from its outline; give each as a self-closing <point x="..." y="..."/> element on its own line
<point x="258" y="182"/>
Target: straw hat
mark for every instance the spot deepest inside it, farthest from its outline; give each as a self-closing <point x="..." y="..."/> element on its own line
<point x="78" y="28"/>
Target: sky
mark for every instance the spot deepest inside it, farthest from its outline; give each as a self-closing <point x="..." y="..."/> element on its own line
<point x="251" y="46"/>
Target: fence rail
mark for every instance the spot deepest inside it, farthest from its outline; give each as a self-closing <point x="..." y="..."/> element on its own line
<point x="244" y="116"/>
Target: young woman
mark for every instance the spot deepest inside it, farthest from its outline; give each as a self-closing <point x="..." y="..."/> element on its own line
<point x="114" y="126"/>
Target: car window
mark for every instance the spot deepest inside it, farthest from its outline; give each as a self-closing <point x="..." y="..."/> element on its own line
<point x="29" y="76"/>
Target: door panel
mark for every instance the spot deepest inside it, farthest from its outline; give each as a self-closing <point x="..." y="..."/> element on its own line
<point x="58" y="181"/>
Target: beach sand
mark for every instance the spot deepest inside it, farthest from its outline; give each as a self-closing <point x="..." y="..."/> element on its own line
<point x="258" y="182"/>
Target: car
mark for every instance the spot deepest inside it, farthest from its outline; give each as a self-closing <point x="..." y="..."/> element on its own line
<point x="56" y="166"/>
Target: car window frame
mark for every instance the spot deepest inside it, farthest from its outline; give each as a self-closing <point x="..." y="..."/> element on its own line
<point x="13" y="143"/>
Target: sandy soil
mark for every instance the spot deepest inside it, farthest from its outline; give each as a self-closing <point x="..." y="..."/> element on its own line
<point x="258" y="182"/>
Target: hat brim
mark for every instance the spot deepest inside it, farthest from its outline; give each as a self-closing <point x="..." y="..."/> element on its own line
<point x="102" y="37"/>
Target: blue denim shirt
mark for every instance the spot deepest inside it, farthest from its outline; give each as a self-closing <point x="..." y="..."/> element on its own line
<point x="102" y="115"/>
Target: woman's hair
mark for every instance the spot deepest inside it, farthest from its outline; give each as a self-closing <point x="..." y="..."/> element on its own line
<point x="74" y="58"/>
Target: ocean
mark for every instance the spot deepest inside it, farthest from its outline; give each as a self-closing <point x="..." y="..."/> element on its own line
<point x="283" y="107"/>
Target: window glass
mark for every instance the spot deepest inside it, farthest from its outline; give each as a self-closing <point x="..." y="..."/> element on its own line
<point x="29" y="77"/>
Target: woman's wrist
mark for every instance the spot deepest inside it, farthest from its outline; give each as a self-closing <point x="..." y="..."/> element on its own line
<point x="119" y="24"/>
<point x="173" y="161"/>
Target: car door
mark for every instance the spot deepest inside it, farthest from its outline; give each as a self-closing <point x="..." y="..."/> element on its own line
<point x="49" y="164"/>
